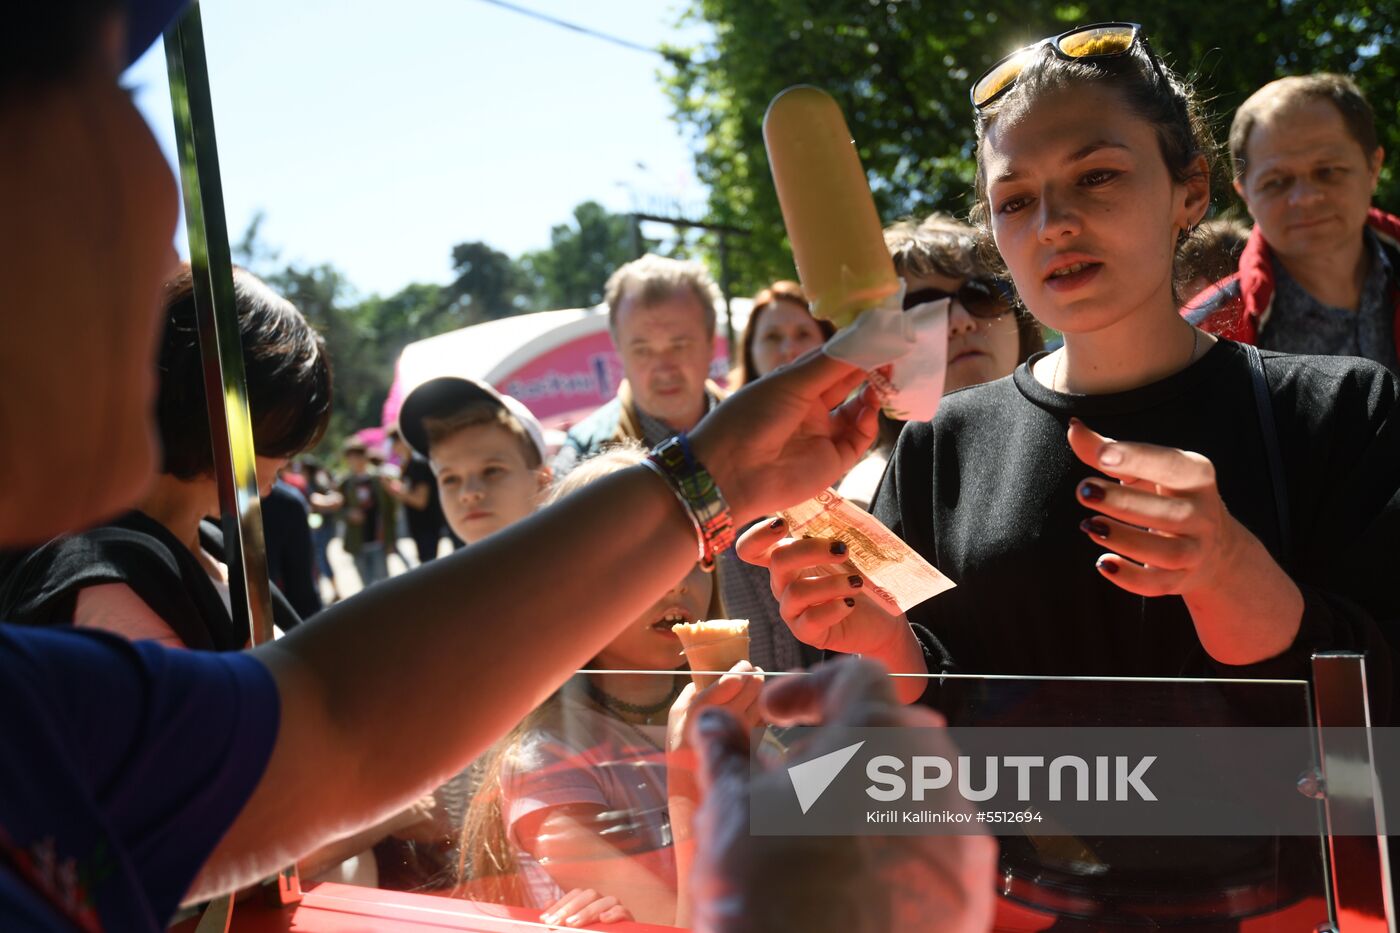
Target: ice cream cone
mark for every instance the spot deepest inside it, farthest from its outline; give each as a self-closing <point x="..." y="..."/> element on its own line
<point x="713" y="645"/>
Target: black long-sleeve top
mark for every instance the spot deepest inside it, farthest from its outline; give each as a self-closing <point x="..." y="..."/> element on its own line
<point x="986" y="493"/>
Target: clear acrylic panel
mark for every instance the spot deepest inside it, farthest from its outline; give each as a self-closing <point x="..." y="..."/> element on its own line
<point x="576" y="798"/>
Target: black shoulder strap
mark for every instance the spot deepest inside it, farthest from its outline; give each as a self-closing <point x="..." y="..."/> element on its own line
<point x="41" y="587"/>
<point x="284" y="615"/>
<point x="1269" y="429"/>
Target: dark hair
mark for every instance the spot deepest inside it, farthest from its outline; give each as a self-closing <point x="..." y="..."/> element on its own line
<point x="784" y="290"/>
<point x="941" y="245"/>
<point x="1164" y="100"/>
<point x="45" y="43"/>
<point x="936" y="245"/>
<point x="1338" y="90"/>
<point x="1212" y="251"/>
<point x="284" y="359"/>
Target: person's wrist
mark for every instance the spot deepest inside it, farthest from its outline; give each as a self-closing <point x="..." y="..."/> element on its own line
<point x="1237" y="547"/>
<point x="674" y="460"/>
<point x="901" y="653"/>
<point x="718" y="456"/>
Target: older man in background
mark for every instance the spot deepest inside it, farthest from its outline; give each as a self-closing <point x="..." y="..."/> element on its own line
<point x="1321" y="271"/>
<point x="661" y="314"/>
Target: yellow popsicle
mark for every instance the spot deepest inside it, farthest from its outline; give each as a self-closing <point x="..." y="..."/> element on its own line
<point x="827" y="208"/>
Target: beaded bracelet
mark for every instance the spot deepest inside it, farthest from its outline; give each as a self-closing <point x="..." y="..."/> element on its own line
<point x="693" y="485"/>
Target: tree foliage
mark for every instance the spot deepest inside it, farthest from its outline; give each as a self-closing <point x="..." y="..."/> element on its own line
<point x="572" y="271"/>
<point x="486" y="287"/>
<point x="900" y="70"/>
<point x="365" y="334"/>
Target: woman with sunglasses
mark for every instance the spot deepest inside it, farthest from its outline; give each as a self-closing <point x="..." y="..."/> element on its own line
<point x="1145" y="494"/>
<point x="987" y="335"/>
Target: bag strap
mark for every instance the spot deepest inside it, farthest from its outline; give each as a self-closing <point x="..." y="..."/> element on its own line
<point x="1269" y="429"/>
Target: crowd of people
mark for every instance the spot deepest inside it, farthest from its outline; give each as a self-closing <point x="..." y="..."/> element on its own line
<point x="1199" y="478"/>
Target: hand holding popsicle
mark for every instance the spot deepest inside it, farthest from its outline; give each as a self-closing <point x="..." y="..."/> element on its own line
<point x="841" y="257"/>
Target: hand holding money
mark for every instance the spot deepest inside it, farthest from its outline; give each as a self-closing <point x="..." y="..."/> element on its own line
<point x="828" y="602"/>
<point x="895" y="575"/>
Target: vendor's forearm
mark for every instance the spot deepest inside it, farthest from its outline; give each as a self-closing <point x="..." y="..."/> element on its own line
<point x="596" y="559"/>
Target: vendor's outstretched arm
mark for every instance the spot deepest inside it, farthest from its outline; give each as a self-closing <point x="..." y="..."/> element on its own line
<point x="387" y="694"/>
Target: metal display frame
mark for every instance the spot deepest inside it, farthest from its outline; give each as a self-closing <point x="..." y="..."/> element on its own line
<point x="225" y="385"/>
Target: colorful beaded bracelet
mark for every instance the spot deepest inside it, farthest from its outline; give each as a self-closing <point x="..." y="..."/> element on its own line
<point x="693" y="485"/>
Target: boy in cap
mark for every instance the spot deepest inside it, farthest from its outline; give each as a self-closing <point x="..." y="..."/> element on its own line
<point x="486" y="449"/>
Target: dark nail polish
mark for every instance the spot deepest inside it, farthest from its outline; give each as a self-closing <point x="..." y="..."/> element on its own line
<point x="855" y="581"/>
<point x="850" y="603"/>
<point x="1094" y="527"/>
<point x="1091" y="492"/>
<point x="1107" y="566"/>
<point x="838" y="548"/>
<point x="776" y="523"/>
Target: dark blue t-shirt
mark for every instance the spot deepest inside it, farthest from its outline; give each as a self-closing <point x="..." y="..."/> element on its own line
<point x="121" y="767"/>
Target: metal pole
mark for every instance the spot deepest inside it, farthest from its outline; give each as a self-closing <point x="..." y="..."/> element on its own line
<point x="724" y="289"/>
<point x="225" y="386"/>
<point x="226" y="389"/>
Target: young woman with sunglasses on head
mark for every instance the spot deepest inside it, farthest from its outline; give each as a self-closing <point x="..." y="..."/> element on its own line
<point x="1124" y="481"/>
<point x="1110" y="510"/>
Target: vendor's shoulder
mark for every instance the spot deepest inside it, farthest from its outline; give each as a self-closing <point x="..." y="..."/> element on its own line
<point x="598" y="427"/>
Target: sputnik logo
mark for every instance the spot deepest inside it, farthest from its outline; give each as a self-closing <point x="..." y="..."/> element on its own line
<point x="810" y="779"/>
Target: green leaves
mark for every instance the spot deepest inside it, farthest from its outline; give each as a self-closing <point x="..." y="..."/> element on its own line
<point x="900" y="71"/>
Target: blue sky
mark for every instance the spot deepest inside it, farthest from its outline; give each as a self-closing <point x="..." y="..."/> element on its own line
<point x="374" y="136"/>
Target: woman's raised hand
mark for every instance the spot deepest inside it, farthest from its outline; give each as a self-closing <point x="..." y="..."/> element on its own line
<point x="1163" y="519"/>
<point x="1168" y="532"/>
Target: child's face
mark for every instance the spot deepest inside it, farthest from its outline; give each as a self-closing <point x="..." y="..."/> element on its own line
<point x="1090" y="194"/>
<point x="648" y="644"/>
<point x="484" y="481"/>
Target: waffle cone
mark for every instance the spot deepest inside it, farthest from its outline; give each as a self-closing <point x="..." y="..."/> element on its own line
<point x="713" y="645"/>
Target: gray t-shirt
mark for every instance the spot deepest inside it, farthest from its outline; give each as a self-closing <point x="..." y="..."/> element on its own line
<point x="1299" y="323"/>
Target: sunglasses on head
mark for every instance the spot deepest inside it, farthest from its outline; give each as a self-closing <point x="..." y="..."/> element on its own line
<point x="983" y="300"/>
<point x="1083" y="43"/>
